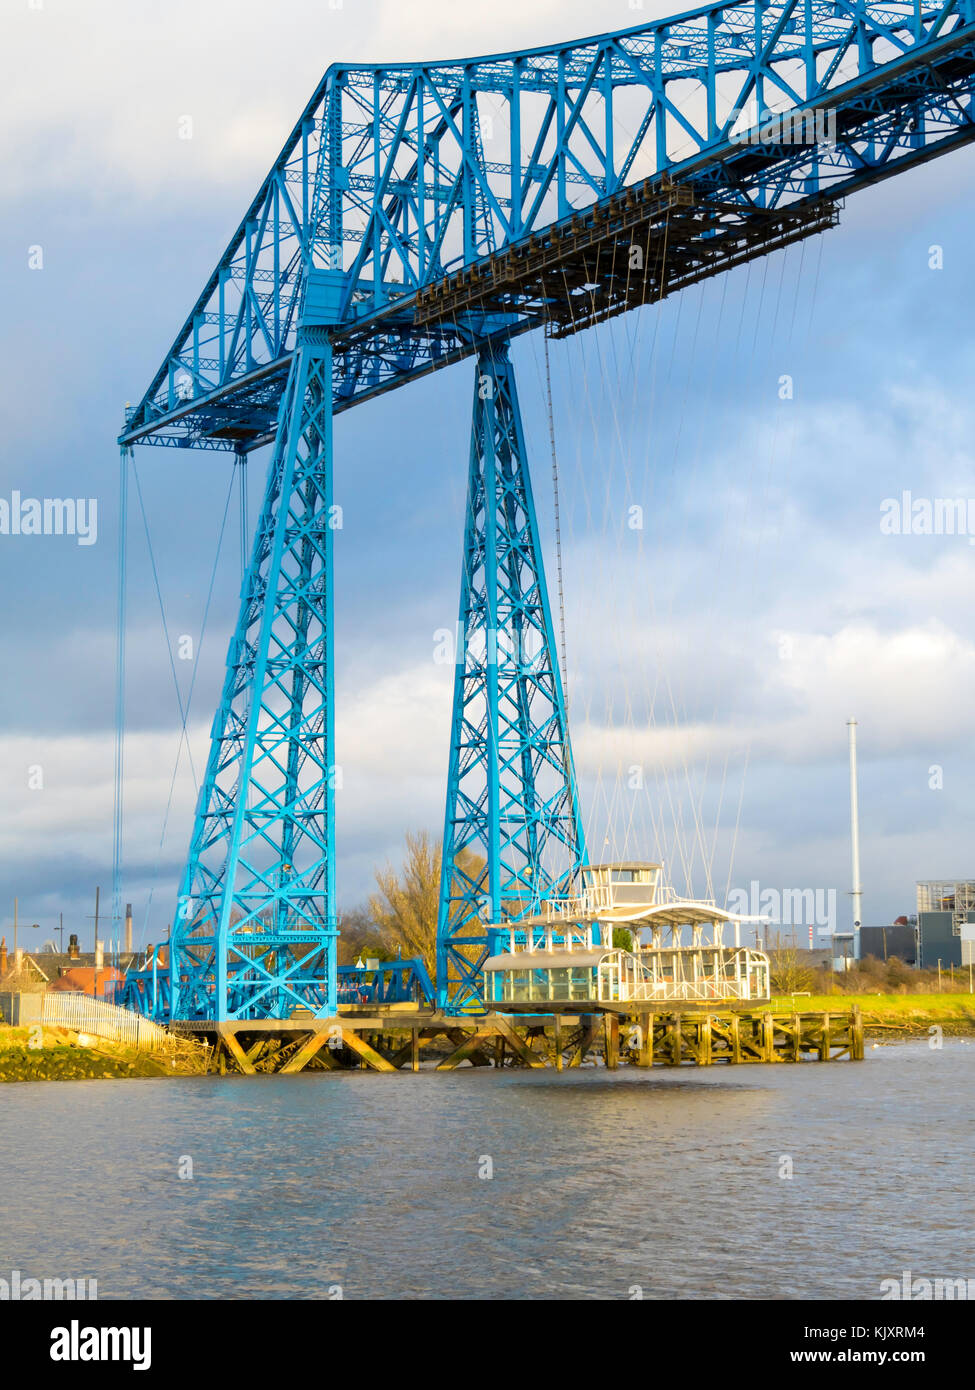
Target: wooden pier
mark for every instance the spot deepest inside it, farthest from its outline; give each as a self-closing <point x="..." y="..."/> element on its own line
<point x="402" y="1037"/>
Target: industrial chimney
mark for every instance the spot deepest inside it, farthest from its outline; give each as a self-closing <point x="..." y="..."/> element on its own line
<point x="857" y="893"/>
<point x="73" y="952"/>
<point x="128" y="928"/>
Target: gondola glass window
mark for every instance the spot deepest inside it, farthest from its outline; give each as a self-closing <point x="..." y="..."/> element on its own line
<point x="700" y="975"/>
<point x="589" y="975"/>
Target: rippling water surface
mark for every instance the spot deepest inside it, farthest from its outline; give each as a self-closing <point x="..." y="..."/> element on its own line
<point x="666" y="1180"/>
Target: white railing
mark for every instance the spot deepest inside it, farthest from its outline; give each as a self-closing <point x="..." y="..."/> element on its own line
<point x="697" y="990"/>
<point x="674" y="975"/>
<point x="605" y="897"/>
<point x="548" y="938"/>
<point x="700" y="973"/>
<point x="85" y="1015"/>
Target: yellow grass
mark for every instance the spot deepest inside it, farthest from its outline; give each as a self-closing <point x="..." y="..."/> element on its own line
<point x="913" y="1013"/>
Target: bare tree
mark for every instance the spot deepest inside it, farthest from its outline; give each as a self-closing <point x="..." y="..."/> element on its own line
<point x="789" y="972"/>
<point x="406" y="906"/>
<point x="360" y="936"/>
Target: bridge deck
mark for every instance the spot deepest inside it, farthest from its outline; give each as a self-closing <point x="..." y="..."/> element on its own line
<point x="584" y="270"/>
<point x="393" y="1038"/>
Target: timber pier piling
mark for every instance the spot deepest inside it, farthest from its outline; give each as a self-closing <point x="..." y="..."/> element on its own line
<point x="403" y="1037"/>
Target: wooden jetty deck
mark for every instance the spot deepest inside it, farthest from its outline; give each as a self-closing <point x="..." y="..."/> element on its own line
<point x="403" y="1037"/>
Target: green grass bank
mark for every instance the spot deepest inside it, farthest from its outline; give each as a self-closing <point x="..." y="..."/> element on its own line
<point x="894" y="1015"/>
<point x="56" y="1054"/>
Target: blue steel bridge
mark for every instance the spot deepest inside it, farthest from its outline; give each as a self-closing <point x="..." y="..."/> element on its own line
<point x="423" y="213"/>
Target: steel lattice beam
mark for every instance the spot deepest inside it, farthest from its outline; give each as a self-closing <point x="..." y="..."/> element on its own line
<point x="513" y="835"/>
<point x="400" y="176"/>
<point x="420" y="214"/>
<point x="255" y="929"/>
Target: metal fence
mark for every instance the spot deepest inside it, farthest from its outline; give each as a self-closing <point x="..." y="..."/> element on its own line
<point x="85" y="1015"/>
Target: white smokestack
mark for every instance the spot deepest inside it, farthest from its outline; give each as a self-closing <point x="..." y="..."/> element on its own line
<point x="857" y="891"/>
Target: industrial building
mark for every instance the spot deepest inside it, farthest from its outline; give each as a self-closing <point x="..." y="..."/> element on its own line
<point x="946" y="922"/>
<point x="898" y="941"/>
<point x="956" y="897"/>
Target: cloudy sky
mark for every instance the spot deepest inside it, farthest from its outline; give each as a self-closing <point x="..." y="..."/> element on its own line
<point x="714" y="655"/>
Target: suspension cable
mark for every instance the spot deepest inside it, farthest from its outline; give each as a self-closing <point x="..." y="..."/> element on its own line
<point x="120" y="685"/>
<point x="242" y="499"/>
<point x="184" y="734"/>
<point x="558" y="523"/>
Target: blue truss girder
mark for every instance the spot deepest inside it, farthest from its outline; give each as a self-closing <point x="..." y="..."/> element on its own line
<point x="145" y="989"/>
<point x="359" y="267"/>
<point x="255" y="930"/>
<point x="399" y="175"/>
<point x="513" y="835"/>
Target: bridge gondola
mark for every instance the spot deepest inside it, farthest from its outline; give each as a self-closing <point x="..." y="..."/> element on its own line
<point x="566" y="961"/>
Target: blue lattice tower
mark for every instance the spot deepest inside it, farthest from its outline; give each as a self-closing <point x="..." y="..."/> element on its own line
<point x="420" y="234"/>
<point x="255" y="931"/>
<point x="513" y="835"/>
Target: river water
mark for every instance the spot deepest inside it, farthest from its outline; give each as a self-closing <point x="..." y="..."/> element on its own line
<point x="602" y="1184"/>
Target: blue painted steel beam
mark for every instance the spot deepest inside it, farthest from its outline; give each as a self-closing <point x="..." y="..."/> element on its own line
<point x="398" y="176"/>
<point x="255" y="931"/>
<point x="396" y="179"/>
<point x="392" y="982"/>
<point x="145" y="988"/>
<point x="513" y="836"/>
